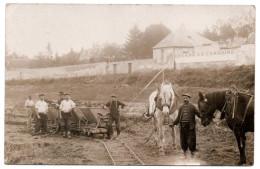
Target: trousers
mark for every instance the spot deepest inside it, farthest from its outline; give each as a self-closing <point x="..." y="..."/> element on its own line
<point x="187" y="137"/>
<point x="41" y="124"/>
<point x="112" y="118"/>
<point x="65" y="121"/>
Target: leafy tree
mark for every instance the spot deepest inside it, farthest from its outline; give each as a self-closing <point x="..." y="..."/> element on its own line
<point x="133" y="43"/>
<point x="227" y="32"/>
<point x="153" y="34"/>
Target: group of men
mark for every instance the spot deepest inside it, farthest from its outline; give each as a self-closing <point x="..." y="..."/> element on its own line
<point x="40" y="109"/>
<point x="65" y="106"/>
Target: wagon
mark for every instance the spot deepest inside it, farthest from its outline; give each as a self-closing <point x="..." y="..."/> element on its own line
<point x="87" y="121"/>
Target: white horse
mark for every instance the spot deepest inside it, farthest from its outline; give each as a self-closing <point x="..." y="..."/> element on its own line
<point x="160" y="104"/>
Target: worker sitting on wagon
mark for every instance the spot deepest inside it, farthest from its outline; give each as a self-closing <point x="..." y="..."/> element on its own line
<point x="65" y="115"/>
<point x="30" y="109"/>
<point x="114" y="115"/>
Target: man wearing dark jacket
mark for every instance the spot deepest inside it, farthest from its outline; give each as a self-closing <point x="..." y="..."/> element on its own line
<point x="186" y="118"/>
<point x="113" y="105"/>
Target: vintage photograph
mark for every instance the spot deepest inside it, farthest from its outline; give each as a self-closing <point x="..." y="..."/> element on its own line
<point x="100" y="84"/>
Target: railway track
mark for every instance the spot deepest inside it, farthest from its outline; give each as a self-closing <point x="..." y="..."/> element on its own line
<point x="121" y="154"/>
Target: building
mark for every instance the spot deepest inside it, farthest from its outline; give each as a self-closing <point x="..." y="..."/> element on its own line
<point x="180" y="44"/>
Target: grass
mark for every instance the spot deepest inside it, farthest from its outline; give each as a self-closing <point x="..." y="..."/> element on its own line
<point x="242" y="77"/>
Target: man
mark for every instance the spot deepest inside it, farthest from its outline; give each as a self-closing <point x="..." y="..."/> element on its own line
<point x="65" y="113"/>
<point x="186" y="118"/>
<point x="113" y="105"/>
<point x="62" y="97"/>
<point x="30" y="110"/>
<point x="41" y="111"/>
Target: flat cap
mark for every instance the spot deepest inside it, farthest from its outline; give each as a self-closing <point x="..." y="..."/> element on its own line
<point x="113" y="95"/>
<point x="186" y="94"/>
<point x="41" y="95"/>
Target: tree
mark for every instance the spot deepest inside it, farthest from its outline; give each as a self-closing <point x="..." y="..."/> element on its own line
<point x="153" y="34"/>
<point x="227" y="32"/>
<point x="112" y="52"/>
<point x="133" y="43"/>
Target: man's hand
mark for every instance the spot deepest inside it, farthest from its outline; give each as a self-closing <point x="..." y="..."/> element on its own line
<point x="39" y="117"/>
<point x="105" y="107"/>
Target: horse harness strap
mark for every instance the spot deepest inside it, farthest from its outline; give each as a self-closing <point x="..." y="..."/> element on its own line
<point x="247" y="106"/>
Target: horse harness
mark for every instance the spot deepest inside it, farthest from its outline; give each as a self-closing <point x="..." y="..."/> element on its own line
<point x="231" y="103"/>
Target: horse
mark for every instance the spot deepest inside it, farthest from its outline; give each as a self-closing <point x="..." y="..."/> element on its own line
<point x="160" y="103"/>
<point x="238" y="110"/>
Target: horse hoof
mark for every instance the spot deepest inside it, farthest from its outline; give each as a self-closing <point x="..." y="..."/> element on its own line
<point x="241" y="162"/>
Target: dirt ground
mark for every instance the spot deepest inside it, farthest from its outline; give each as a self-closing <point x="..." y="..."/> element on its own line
<point x="216" y="145"/>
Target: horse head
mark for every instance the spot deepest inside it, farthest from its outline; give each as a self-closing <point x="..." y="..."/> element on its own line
<point x="166" y="97"/>
<point x="206" y="109"/>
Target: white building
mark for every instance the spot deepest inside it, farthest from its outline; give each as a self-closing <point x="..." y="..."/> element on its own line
<point x="179" y="44"/>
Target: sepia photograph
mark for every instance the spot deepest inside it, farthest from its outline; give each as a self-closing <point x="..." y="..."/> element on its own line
<point x="129" y="84"/>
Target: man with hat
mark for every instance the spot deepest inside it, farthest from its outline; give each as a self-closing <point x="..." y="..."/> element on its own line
<point x="30" y="110"/>
<point x="65" y="110"/>
<point x="41" y="111"/>
<point x="186" y="118"/>
<point x="114" y="115"/>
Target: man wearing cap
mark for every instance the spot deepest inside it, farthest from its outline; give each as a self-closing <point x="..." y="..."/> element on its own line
<point x="65" y="113"/>
<point x="41" y="111"/>
<point x="29" y="107"/>
<point x="113" y="105"/>
<point x="186" y="118"/>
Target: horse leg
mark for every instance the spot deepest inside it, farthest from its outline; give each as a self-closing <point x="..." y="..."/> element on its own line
<point x="174" y="137"/>
<point x="155" y="133"/>
<point x="161" y="137"/>
<point x="241" y="147"/>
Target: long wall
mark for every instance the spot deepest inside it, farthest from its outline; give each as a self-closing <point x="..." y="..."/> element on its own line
<point x="91" y="69"/>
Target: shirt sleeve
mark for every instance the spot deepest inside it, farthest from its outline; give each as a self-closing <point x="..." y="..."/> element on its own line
<point x="108" y="104"/>
<point x="37" y="105"/>
<point x="61" y="105"/>
<point x="177" y="120"/>
<point x="122" y="104"/>
<point x="196" y="111"/>
<point x="73" y="104"/>
<point x="46" y="106"/>
<point x="26" y="103"/>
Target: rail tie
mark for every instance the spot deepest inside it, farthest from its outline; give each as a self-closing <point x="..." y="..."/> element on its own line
<point x="123" y="154"/>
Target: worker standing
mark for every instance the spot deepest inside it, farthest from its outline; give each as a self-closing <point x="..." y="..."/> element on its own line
<point x="114" y="115"/>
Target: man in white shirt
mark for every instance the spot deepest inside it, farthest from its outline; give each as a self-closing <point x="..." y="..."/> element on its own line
<point x="30" y="110"/>
<point x="41" y="111"/>
<point x="65" y="109"/>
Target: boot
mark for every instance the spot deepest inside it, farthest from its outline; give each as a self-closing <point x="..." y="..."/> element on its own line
<point x="64" y="134"/>
<point x="69" y="135"/>
<point x="192" y="154"/>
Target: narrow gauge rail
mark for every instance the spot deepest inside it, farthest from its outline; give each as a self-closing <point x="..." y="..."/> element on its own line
<point x="121" y="154"/>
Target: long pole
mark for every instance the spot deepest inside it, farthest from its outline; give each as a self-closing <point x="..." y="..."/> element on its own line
<point x="148" y="84"/>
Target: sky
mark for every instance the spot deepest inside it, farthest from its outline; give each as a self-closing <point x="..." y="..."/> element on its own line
<point x="29" y="27"/>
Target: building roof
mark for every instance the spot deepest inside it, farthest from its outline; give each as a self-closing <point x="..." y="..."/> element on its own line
<point x="183" y="38"/>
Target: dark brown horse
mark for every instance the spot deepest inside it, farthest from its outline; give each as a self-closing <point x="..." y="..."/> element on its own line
<point x="238" y="110"/>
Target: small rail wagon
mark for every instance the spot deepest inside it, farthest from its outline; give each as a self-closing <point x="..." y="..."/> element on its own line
<point x="87" y="121"/>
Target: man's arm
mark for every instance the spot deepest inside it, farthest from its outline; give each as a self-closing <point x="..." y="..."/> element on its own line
<point x="196" y="111"/>
<point x="36" y="110"/>
<point x="121" y="104"/>
<point x="107" y="105"/>
<point x="26" y="104"/>
<point x="177" y="120"/>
